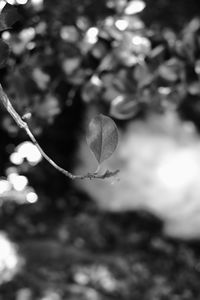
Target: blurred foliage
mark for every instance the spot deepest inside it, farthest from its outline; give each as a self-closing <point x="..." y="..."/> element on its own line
<point x="127" y="58"/>
<point x="59" y="49"/>
<point x="67" y="56"/>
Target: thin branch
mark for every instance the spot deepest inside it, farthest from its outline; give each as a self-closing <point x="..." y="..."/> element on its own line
<point x="23" y="125"/>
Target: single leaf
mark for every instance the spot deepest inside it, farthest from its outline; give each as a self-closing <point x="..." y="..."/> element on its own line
<point x="123" y="108"/>
<point x="4" y="53"/>
<point x="8" y="17"/>
<point x="102" y="137"/>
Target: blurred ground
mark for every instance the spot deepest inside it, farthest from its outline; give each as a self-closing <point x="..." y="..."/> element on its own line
<point x="95" y="255"/>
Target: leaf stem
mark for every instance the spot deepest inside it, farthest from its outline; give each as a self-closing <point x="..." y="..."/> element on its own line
<point x="23" y="125"/>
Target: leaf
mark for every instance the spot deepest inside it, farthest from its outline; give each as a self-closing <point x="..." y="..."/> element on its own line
<point x="123" y="108"/>
<point x="171" y="71"/>
<point x="4" y="53"/>
<point x="8" y="17"/>
<point x="102" y="137"/>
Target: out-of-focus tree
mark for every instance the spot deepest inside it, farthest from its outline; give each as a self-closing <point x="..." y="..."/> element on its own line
<point x="69" y="55"/>
<point x="66" y="56"/>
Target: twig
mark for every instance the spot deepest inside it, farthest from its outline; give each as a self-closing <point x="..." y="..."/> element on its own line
<point x="23" y="125"/>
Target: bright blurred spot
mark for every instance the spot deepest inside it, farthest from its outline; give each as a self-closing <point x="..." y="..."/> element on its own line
<point x="69" y="33"/>
<point x="18" y="182"/>
<point x="37" y="3"/>
<point x="31" y="46"/>
<point x="92" y="35"/>
<point x="141" y="44"/>
<point x="9" y="260"/>
<point x="2" y="4"/>
<point x="31" y="197"/>
<point x="16" y="159"/>
<point x="137" y="40"/>
<point x="178" y="170"/>
<point x="197" y="67"/>
<point x="6" y="35"/>
<point x="16" y="188"/>
<point x="96" y="80"/>
<point x="29" y="151"/>
<point x="5" y="186"/>
<point x="27" y="34"/>
<point x="134" y="7"/>
<point x="98" y="274"/>
<point x="164" y="90"/>
<point x="21" y="1"/>
<point x="81" y="278"/>
<point x="12" y="175"/>
<point x="121" y="24"/>
<point x="11" y="2"/>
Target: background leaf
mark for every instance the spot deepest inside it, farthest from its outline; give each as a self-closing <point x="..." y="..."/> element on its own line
<point x="102" y="137"/>
<point x="8" y="17"/>
<point x="123" y="108"/>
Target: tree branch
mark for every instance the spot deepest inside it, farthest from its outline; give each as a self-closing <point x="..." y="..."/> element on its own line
<point x="23" y="125"/>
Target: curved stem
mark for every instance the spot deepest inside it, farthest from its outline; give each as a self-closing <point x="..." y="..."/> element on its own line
<point x="22" y="124"/>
